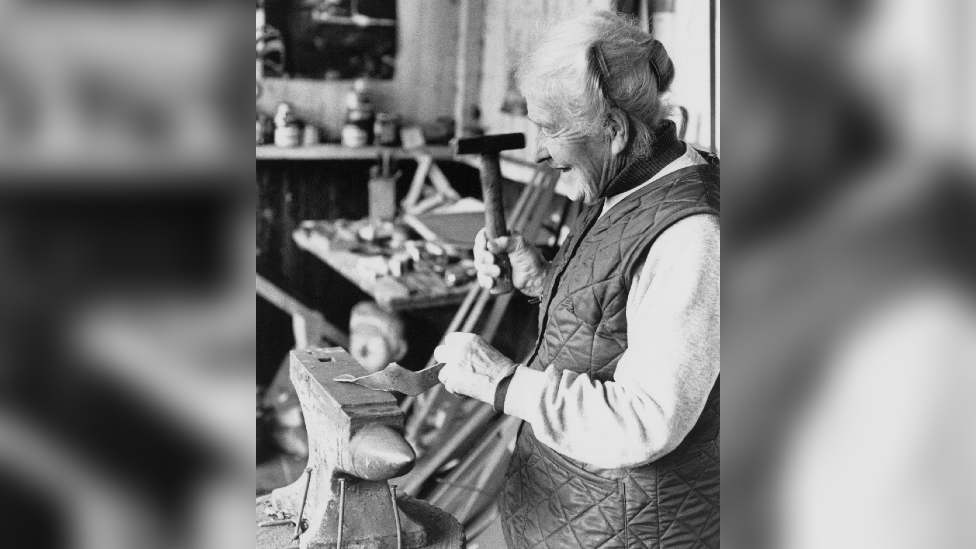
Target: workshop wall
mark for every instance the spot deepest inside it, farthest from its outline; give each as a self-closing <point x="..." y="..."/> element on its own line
<point x="684" y="31"/>
<point x="422" y="89"/>
<point x="682" y="26"/>
<point x="508" y="27"/>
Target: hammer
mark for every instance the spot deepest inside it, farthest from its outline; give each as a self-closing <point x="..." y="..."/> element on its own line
<point x="488" y="147"/>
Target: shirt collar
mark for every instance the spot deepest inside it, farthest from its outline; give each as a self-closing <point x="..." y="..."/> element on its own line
<point x="665" y="149"/>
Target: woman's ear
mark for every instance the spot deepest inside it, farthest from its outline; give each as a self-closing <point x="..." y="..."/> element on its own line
<point x="618" y="131"/>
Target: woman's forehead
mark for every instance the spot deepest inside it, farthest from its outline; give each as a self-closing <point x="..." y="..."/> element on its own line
<point x="539" y="113"/>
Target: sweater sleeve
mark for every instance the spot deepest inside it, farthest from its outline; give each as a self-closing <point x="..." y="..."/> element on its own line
<point x="663" y="378"/>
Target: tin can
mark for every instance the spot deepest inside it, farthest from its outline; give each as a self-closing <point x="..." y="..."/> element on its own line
<point x="288" y="136"/>
<point x="311" y="135"/>
<point x="386" y="130"/>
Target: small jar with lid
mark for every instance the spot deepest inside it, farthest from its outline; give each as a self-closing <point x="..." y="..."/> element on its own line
<point x="288" y="133"/>
<point x="358" y="129"/>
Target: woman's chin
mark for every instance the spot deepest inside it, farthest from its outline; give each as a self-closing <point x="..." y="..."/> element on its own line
<point x="576" y="189"/>
<point x="586" y="194"/>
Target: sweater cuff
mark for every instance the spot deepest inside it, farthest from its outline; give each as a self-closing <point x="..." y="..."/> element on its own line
<point x="501" y="391"/>
<point x="525" y="393"/>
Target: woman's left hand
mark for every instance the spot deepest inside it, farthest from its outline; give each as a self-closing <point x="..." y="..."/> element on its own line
<point x="472" y="367"/>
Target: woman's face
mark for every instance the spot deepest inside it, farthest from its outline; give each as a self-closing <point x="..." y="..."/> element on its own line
<point x="585" y="160"/>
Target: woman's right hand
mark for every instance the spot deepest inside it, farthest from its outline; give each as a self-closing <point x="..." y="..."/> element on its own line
<point x="528" y="266"/>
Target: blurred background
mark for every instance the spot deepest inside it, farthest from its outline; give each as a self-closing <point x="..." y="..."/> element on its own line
<point x="126" y="253"/>
<point x="127" y="322"/>
<point x="850" y="328"/>
<point x="357" y="102"/>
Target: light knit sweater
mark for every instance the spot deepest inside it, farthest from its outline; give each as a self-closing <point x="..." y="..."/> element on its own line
<point x="667" y="371"/>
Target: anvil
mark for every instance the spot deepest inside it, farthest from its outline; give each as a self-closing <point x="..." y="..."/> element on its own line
<point x="355" y="445"/>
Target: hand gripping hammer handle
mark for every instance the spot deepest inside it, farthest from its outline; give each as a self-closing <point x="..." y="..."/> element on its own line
<point x="491" y="188"/>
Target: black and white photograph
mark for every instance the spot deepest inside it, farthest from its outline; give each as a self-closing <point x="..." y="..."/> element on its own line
<point x="488" y="288"/>
<point x="497" y="239"/>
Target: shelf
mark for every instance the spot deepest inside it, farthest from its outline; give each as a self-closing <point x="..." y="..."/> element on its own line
<point x="338" y="152"/>
<point x="355" y="20"/>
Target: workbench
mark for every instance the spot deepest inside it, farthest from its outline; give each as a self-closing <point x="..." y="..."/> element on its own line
<point x="419" y="289"/>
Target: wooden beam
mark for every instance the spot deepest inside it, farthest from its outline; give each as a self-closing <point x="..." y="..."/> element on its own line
<point x="471" y="24"/>
<point x="712" y="62"/>
<point x="424" y="162"/>
<point x="310" y="328"/>
<point x="429" y="464"/>
<point x="279" y="298"/>
<point x="330" y="151"/>
<point x="442" y="185"/>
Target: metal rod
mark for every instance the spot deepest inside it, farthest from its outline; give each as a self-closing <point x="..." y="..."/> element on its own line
<point x="475" y="313"/>
<point x="342" y="508"/>
<point x="274" y="523"/>
<point x="396" y="516"/>
<point x="462" y="311"/>
<point x="712" y="59"/>
<point x="301" y="510"/>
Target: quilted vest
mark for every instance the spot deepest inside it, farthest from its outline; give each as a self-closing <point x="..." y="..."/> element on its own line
<point x="550" y="500"/>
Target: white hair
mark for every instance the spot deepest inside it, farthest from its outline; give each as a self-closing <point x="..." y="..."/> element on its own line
<point x="580" y="68"/>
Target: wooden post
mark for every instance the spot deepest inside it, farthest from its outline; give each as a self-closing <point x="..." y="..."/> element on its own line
<point x="470" y="47"/>
<point x="310" y="328"/>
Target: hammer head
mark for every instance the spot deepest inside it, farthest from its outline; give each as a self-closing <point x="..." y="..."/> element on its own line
<point x="490" y="144"/>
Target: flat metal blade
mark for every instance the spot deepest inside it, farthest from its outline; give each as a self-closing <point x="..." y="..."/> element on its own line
<point x="397" y="378"/>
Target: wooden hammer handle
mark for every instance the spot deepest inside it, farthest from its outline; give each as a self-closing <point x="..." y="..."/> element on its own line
<point x="491" y="189"/>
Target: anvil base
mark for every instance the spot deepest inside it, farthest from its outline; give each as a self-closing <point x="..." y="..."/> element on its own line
<point x="442" y="530"/>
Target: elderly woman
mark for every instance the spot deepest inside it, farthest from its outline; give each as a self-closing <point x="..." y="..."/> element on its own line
<point x="620" y="397"/>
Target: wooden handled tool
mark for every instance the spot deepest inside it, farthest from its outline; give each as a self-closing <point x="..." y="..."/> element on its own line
<point x="488" y="147"/>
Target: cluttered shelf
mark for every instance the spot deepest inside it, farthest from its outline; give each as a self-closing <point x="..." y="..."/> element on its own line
<point x="338" y="152"/>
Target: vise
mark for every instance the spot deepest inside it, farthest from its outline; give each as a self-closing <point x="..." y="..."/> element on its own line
<point x="355" y="442"/>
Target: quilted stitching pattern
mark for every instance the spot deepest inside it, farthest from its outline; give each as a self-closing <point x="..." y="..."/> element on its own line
<point x="590" y="511"/>
<point x="586" y="294"/>
<point x="550" y="501"/>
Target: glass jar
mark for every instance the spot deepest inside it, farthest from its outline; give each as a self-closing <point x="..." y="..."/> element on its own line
<point x="386" y="130"/>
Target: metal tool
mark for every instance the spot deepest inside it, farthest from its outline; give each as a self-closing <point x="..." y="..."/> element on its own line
<point x="301" y="510"/>
<point x="488" y="147"/>
<point x="396" y="516"/>
<point x="342" y="510"/>
<point x="397" y="378"/>
<point x="272" y="523"/>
